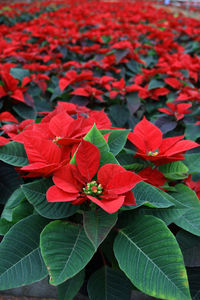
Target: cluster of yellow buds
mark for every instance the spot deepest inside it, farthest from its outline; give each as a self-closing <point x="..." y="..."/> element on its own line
<point x="155" y="153"/>
<point x="56" y="139"/>
<point x="93" y="188"/>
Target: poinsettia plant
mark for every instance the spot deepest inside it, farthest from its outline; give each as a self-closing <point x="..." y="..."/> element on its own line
<point x="87" y="195"/>
<point x="99" y="149"/>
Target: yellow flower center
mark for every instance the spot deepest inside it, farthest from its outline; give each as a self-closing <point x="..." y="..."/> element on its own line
<point x="155" y="153"/>
<point x="93" y="188"/>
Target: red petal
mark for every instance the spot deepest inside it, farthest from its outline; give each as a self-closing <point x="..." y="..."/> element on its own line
<point x="68" y="141"/>
<point x="122" y="182"/>
<point x="165" y="111"/>
<point x="54" y="194"/>
<point x="129" y="199"/>
<point x="179" y="116"/>
<point x="107" y="171"/>
<point x="113" y="94"/>
<point x="173" y="82"/>
<point x="110" y="206"/>
<point x="182" y="107"/>
<point x="152" y="176"/>
<point x="181" y="147"/>
<point x="18" y="95"/>
<point x="2" y="92"/>
<point x="63" y="83"/>
<point x="25" y="81"/>
<point x="58" y="124"/>
<point x="3" y="141"/>
<point x="80" y="92"/>
<point x="160" y="92"/>
<point x="168" y="143"/>
<point x="146" y="136"/>
<point x="88" y="159"/>
<point x="100" y="119"/>
<point x="40" y="150"/>
<point x="40" y="169"/>
<point x="79" y="127"/>
<point x="65" y="180"/>
<point x="6" y="116"/>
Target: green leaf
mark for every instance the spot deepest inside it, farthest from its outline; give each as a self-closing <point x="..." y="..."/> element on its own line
<point x="192" y="132"/>
<point x="135" y="166"/>
<point x="117" y="140"/>
<point x="25" y="111"/>
<point x="19" y="73"/>
<point x="149" y="255"/>
<point x="190" y="247"/>
<point x="108" y="158"/>
<point x="20" y="259"/>
<point x="168" y="214"/>
<point x="97" y="224"/>
<point x="190" y="220"/>
<point x="147" y="194"/>
<point x="69" y="289"/>
<point x="175" y="170"/>
<point x="119" y="115"/>
<point x="14" y="154"/>
<point x="9" y="181"/>
<point x="35" y="193"/>
<point x="109" y="284"/>
<point x="23" y="210"/>
<point x="155" y="84"/>
<point x="95" y="137"/>
<point x="194" y="279"/>
<point x="5" y="226"/>
<point x="193" y="162"/>
<point x="13" y="201"/>
<point x="66" y="250"/>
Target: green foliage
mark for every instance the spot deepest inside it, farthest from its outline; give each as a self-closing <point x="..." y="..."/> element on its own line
<point x="14" y="154"/>
<point x="147" y="194"/>
<point x="117" y="140"/>
<point x="20" y="258"/>
<point x="155" y="84"/>
<point x="35" y="193"/>
<point x="190" y="220"/>
<point x="175" y="170"/>
<point x="65" y="249"/>
<point x="190" y="247"/>
<point x="107" y="283"/>
<point x="69" y="289"/>
<point x="97" y="224"/>
<point x="149" y="255"/>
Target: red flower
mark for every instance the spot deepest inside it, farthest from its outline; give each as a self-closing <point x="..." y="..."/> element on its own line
<point x="151" y="146"/>
<point x="194" y="185"/>
<point x="44" y="157"/>
<point x="152" y="176"/>
<point x="177" y="110"/>
<point x="173" y="82"/>
<point x="8" y="117"/>
<point x="3" y="141"/>
<point x="88" y="91"/>
<point x="10" y="87"/>
<point x="109" y="187"/>
<point x="72" y="77"/>
<point x="122" y="89"/>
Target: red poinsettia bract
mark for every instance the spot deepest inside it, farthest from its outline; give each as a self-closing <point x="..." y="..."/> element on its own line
<point x="151" y="146"/>
<point x="109" y="187"/>
<point x="44" y="157"/>
<point x="177" y="110"/>
<point x="10" y="87"/>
